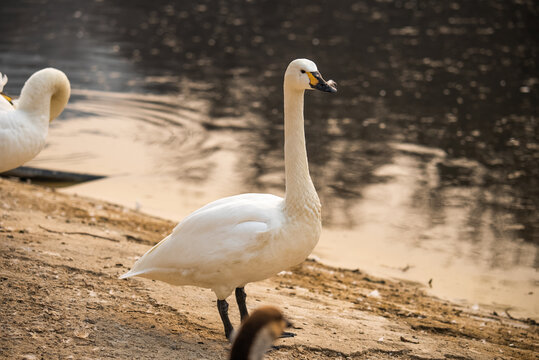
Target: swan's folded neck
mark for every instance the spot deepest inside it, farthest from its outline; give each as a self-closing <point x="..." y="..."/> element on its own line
<point x="301" y="195"/>
<point x="45" y="94"/>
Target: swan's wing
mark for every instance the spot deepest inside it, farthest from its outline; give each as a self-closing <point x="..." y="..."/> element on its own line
<point x="222" y="231"/>
<point x="234" y="209"/>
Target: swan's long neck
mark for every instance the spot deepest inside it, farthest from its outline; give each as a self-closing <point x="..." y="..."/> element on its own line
<point x="300" y="191"/>
<point x="45" y="93"/>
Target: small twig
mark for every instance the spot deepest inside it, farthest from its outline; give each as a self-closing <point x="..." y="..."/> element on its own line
<point x="78" y="233"/>
<point x="406" y="268"/>
<point x="526" y="321"/>
<point x="374" y="281"/>
<point x="137" y="240"/>
<point x="403" y="339"/>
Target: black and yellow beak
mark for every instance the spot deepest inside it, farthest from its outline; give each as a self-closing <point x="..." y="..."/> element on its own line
<point x="8" y="98"/>
<point x="317" y="82"/>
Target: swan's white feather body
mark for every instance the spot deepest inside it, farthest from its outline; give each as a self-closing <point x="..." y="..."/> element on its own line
<point x="21" y="138"/>
<point x="25" y="124"/>
<point x="215" y="245"/>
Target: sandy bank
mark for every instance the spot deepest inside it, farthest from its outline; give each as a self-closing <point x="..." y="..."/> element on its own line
<point x="61" y="299"/>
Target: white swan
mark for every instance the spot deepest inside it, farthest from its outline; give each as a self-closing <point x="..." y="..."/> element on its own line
<point x="258" y="333"/>
<point x="250" y="237"/>
<point x="24" y="124"/>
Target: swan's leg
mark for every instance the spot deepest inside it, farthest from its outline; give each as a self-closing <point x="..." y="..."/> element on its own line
<point x="222" y="306"/>
<point x="240" y="299"/>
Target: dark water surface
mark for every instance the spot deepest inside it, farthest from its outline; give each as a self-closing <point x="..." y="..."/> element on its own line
<point x="435" y="122"/>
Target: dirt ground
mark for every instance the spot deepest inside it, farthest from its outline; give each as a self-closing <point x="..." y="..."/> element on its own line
<point x="61" y="298"/>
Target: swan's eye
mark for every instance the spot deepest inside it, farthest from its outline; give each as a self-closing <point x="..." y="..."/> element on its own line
<point x="303" y="71"/>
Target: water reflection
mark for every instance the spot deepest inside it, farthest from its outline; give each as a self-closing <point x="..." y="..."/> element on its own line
<point x="457" y="78"/>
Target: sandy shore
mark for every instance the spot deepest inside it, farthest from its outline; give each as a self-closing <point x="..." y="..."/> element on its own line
<point x="61" y="299"/>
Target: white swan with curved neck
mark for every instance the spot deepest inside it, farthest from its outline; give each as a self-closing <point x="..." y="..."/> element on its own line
<point x="250" y="237"/>
<point x="25" y="124"/>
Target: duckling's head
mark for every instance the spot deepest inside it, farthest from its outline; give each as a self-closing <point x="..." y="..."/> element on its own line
<point x="257" y="333"/>
<point x="302" y="74"/>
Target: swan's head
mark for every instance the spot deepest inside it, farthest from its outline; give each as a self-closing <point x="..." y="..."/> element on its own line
<point x="3" y="82"/>
<point x="302" y="74"/>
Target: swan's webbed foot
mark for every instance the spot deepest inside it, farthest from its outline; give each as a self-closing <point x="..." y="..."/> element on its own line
<point x="222" y="306"/>
<point x="240" y="299"/>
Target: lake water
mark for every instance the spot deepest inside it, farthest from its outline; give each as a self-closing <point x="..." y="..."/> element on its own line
<point x="426" y="160"/>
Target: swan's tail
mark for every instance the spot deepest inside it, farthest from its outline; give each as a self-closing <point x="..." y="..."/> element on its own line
<point x="135" y="271"/>
<point x="126" y="275"/>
